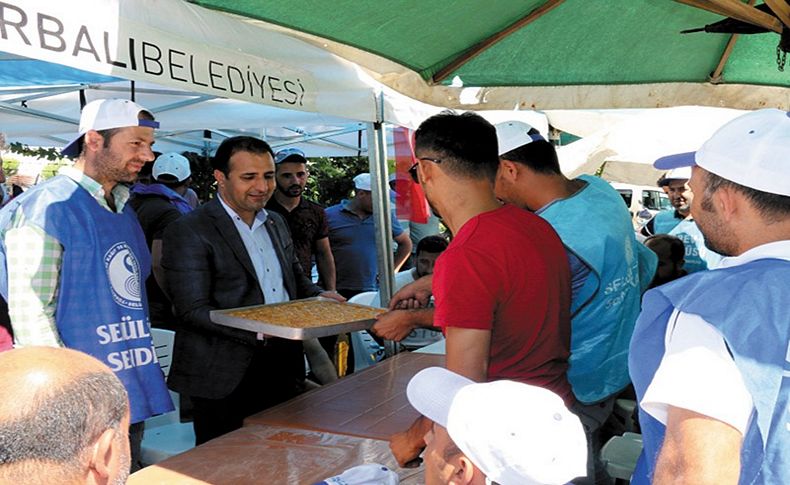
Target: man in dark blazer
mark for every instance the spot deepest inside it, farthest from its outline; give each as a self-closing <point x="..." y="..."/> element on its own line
<point x="231" y="253"/>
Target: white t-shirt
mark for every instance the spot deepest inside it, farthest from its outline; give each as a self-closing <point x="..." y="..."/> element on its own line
<point x="697" y="371"/>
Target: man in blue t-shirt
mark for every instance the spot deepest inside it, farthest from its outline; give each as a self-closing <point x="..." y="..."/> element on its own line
<point x="352" y="236"/>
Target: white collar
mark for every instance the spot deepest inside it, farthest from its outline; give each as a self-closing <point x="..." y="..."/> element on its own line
<point x="773" y="250"/>
<point x="260" y="216"/>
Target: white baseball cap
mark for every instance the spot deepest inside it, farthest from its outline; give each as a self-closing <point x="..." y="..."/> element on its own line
<point x="287" y="153"/>
<point x="516" y="434"/>
<point x="514" y="134"/>
<point x="752" y="150"/>
<point x="680" y="173"/>
<point x="362" y="181"/>
<point x="105" y="114"/>
<point x="367" y="474"/>
<point x="171" y="164"/>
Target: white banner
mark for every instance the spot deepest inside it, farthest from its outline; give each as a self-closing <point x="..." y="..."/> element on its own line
<point x="174" y="43"/>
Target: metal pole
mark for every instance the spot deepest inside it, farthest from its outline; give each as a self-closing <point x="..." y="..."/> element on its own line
<point x="377" y="156"/>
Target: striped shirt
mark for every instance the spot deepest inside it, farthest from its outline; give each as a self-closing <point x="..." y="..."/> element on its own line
<point x="34" y="260"/>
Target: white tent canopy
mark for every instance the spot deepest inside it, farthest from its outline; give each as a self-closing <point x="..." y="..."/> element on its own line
<point x="629" y="141"/>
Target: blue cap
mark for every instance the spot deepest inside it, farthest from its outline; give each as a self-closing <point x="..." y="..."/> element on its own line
<point x="282" y="155"/>
<point x="676" y="161"/>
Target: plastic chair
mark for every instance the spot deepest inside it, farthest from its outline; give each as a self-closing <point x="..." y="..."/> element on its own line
<point x="165" y="435"/>
<point x="366" y="350"/>
<point x="620" y="453"/>
<point x="624" y="411"/>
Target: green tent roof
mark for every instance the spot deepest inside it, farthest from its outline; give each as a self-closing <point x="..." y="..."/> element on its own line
<point x="580" y="42"/>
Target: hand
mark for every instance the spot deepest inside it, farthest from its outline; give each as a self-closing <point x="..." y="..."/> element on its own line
<point x="405" y="448"/>
<point x="333" y="295"/>
<point x="395" y="325"/>
<point x="413" y="295"/>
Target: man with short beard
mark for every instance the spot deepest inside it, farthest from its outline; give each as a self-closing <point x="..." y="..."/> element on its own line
<point x="228" y="253"/>
<point x="709" y="354"/>
<point x="305" y="218"/>
<point x="64" y="417"/>
<point x="73" y="258"/>
<point x="680" y="223"/>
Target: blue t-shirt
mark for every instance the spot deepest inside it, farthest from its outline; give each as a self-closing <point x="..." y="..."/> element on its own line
<point x="353" y="241"/>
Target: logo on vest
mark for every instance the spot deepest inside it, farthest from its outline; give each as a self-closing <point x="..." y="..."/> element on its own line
<point x="124" y="274"/>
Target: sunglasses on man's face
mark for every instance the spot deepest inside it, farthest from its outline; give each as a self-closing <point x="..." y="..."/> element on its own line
<point x="413" y="168"/>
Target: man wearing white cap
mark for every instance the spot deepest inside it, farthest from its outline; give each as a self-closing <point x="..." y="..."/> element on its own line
<point x="609" y="268"/>
<point x="709" y="355"/>
<point x="680" y="223"/>
<point x="74" y="259"/>
<point x="352" y="235"/>
<point x="157" y="205"/>
<point x="502" y="432"/>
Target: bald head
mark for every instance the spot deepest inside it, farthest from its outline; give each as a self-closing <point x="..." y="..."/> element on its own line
<point x="56" y="405"/>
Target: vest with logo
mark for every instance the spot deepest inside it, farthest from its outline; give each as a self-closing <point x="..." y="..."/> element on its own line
<point x="697" y="257"/>
<point x="101" y="304"/>
<point x="749" y="305"/>
<point x="595" y="225"/>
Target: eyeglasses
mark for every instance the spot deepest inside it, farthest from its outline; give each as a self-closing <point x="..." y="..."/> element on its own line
<point x="413" y="168"/>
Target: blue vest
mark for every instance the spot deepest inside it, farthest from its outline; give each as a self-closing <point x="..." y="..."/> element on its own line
<point x="665" y="221"/>
<point x="749" y="305"/>
<point x="595" y="225"/>
<point x="102" y="308"/>
<point x="698" y="257"/>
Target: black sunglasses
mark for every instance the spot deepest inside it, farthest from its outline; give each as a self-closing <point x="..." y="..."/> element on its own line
<point x="413" y="168"/>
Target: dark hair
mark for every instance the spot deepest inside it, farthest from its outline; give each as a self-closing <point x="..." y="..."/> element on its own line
<point x="773" y="207"/>
<point x="466" y="143"/>
<point x="111" y="132"/>
<point x="230" y="146"/>
<point x="677" y="251"/>
<point x="171" y="182"/>
<point x="62" y="422"/>
<point x="432" y="244"/>
<point x="539" y="156"/>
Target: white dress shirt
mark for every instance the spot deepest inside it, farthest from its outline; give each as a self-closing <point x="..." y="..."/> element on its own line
<point x="261" y="251"/>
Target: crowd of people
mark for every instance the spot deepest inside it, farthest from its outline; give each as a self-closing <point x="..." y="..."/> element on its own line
<point x="551" y="306"/>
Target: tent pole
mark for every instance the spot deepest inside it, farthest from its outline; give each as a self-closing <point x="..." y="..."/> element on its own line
<point x="377" y="156"/>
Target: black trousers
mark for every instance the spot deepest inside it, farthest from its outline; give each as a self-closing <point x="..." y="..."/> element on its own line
<point x="272" y="378"/>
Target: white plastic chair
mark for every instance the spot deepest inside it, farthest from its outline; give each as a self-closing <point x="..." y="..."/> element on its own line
<point x="366" y="350"/>
<point x="165" y="435"/>
<point x="619" y="455"/>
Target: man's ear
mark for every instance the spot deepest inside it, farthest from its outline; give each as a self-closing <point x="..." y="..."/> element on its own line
<point x="508" y="169"/>
<point x="426" y="171"/>
<point x="727" y="202"/>
<point x="103" y="453"/>
<point x="463" y="471"/>
<point x="219" y="177"/>
<point x="92" y="140"/>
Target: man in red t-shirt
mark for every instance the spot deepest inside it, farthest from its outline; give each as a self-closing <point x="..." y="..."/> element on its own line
<point x="502" y="287"/>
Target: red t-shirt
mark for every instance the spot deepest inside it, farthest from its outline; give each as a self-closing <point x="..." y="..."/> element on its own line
<point x="507" y="271"/>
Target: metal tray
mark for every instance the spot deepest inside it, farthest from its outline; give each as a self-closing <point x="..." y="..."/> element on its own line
<point x="223" y="317"/>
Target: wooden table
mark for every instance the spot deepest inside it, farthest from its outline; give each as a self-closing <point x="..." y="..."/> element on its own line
<point x="311" y="437"/>
<point x="369" y="404"/>
<point x="271" y="455"/>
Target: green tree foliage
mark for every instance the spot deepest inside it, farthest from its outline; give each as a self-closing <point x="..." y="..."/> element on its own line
<point x="331" y="178"/>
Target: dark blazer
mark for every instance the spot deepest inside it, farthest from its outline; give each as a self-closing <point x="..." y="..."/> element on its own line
<point x="207" y="267"/>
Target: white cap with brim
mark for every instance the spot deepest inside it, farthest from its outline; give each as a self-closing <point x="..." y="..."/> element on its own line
<point x="173" y="164"/>
<point x="752" y="150"/>
<point x="515" y="134"/>
<point x="516" y="434"/>
<point x="106" y="114"/>
<point x="290" y="154"/>
<point x="362" y="182"/>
